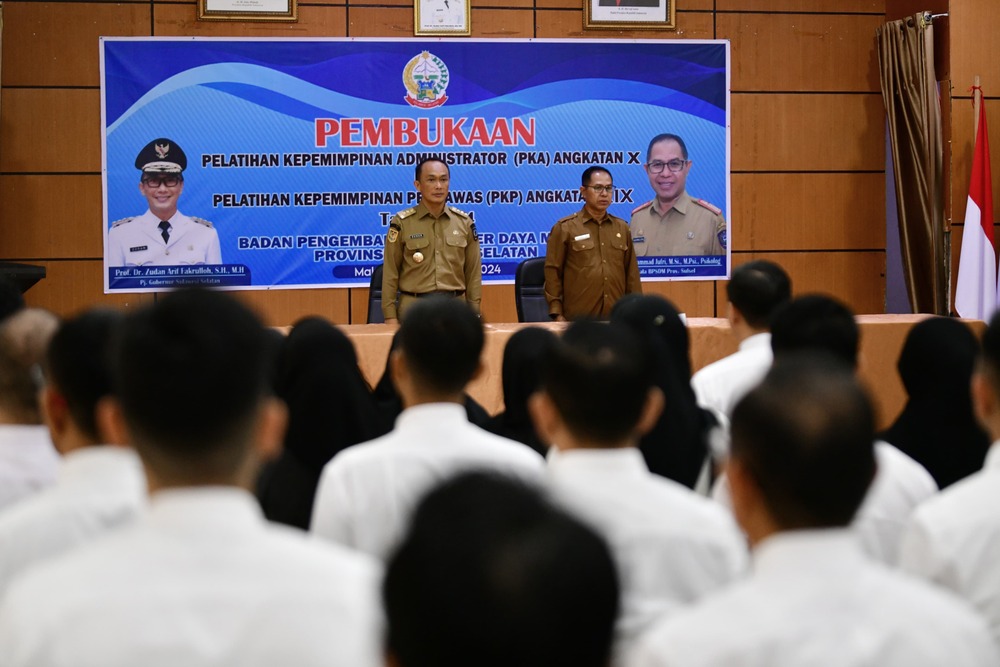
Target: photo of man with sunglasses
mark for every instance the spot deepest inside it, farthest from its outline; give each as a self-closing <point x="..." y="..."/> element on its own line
<point x="162" y="236"/>
<point x="589" y="258"/>
<point x="674" y="223"/>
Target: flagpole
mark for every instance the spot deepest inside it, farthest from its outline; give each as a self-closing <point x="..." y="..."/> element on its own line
<point x="977" y="100"/>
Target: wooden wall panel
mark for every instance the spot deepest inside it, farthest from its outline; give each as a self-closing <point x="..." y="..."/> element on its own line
<point x="380" y="22"/>
<point x="820" y="6"/>
<point x="47" y="216"/>
<point x="50" y="130"/>
<point x="177" y="19"/>
<point x="66" y="33"/>
<point x="75" y="285"/>
<point x="503" y="23"/>
<point x="818" y="132"/>
<point x="974" y="44"/>
<point x="493" y="4"/>
<point x="802" y="52"/>
<point x="856" y="278"/>
<point x="557" y="23"/>
<point x="802" y="211"/>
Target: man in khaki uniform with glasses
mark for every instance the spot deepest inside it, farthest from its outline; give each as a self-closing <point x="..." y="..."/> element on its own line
<point x="673" y="223"/>
<point x="431" y="248"/>
<point x="589" y="259"/>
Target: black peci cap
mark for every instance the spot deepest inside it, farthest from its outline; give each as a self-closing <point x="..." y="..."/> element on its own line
<point x="161" y="156"/>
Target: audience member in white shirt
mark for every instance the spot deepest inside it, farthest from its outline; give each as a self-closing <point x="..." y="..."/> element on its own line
<point x="492" y="574"/>
<point x="672" y="546"/>
<point x="100" y="486"/>
<point x="28" y="460"/>
<point x="954" y="539"/>
<point x="801" y="462"/>
<point x="366" y="493"/>
<point x="755" y="290"/>
<point x="202" y="579"/>
<point x="820" y="323"/>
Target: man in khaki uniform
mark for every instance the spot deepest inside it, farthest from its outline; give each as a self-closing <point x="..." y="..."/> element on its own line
<point x="589" y="259"/>
<point x="430" y="248"/>
<point x="673" y="223"/>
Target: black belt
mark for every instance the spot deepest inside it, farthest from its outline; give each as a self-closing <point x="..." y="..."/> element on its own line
<point x="444" y="292"/>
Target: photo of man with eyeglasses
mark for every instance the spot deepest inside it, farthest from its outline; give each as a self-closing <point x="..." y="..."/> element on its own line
<point x="162" y="235"/>
<point x="674" y="223"/>
<point x="590" y="262"/>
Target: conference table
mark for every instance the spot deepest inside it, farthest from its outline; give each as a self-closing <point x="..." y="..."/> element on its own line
<point x="882" y="338"/>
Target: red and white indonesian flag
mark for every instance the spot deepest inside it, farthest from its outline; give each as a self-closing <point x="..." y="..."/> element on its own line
<point x="976" y="292"/>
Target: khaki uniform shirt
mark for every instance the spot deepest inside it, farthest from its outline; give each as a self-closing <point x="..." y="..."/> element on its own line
<point x="690" y="227"/>
<point x="589" y="265"/>
<point x="424" y="254"/>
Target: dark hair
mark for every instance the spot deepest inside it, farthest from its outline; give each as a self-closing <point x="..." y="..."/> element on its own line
<point x="589" y="172"/>
<point x="666" y="136"/>
<point x="593" y="360"/>
<point x="78" y="364"/>
<point x="442" y="341"/>
<point x="816" y="322"/>
<point x="991" y="351"/>
<point x="190" y="371"/>
<point x="420" y="166"/>
<point x="24" y="337"/>
<point x="805" y="435"/>
<point x="492" y="574"/>
<point x="757" y="289"/>
<point x="677" y="446"/>
<point x="521" y="377"/>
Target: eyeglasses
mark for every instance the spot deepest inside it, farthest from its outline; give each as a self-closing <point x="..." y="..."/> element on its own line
<point x="656" y="166"/>
<point x="602" y="188"/>
<point x="157" y="181"/>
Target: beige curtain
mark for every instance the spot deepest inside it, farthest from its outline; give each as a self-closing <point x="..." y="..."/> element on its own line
<point x="909" y="90"/>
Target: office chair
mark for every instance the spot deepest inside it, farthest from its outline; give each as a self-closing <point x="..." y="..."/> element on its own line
<point x="375" y="297"/>
<point x="529" y="291"/>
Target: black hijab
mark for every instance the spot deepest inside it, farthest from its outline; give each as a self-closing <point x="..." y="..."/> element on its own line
<point x="330" y="408"/>
<point x="521" y="358"/>
<point x="937" y="426"/>
<point x="676" y="447"/>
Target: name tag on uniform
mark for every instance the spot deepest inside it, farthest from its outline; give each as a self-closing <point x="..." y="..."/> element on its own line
<point x="581" y="237"/>
<point x="416" y="236"/>
<point x="139" y="248"/>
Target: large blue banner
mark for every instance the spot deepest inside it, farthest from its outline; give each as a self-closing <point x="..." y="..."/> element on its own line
<point x="299" y="152"/>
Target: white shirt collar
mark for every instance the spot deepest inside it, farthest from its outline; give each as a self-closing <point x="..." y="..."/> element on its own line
<point x="603" y="462"/>
<point x="807" y="553"/>
<point x="212" y="512"/>
<point x="431" y="416"/>
<point x="993" y="456"/>
<point x="756" y="341"/>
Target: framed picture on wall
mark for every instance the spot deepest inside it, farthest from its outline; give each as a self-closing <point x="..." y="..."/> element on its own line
<point x="441" y="17"/>
<point x="248" y="10"/>
<point x="625" y="14"/>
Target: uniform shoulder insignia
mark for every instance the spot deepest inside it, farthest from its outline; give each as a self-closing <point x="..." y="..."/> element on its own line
<point x="202" y="221"/>
<point x="122" y="221"/>
<point x="459" y="212"/>
<point x="396" y="226"/>
<point x="711" y="207"/>
<point x="642" y="206"/>
<point x="566" y="219"/>
<point x="407" y="213"/>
